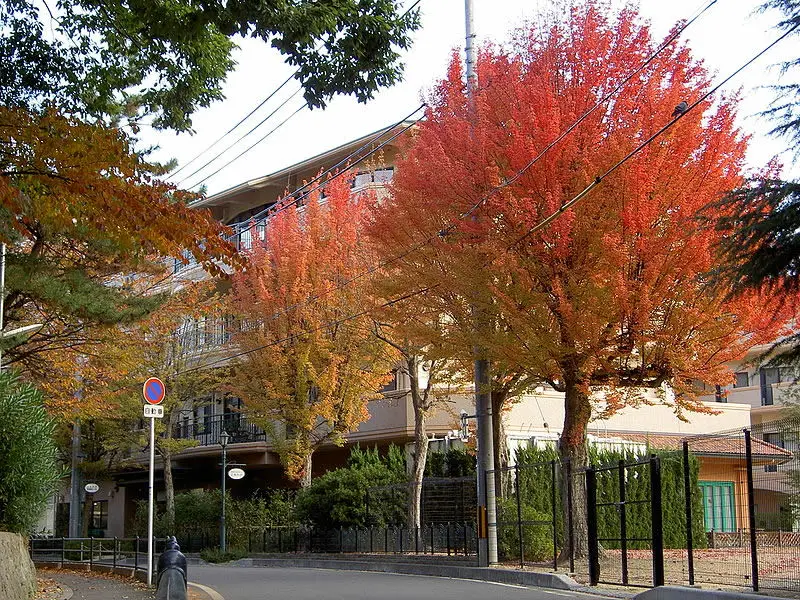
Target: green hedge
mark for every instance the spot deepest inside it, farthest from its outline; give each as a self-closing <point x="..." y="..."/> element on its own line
<point x="535" y="486"/>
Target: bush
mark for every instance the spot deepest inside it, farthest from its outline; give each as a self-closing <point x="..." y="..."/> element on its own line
<point x="29" y="471"/>
<point x="215" y="555"/>
<point x="537" y="539"/>
<point x="338" y="498"/>
<point x="453" y="463"/>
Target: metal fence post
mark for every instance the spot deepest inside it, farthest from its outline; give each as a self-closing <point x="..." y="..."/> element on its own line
<point x="623" y="522"/>
<point x="91" y="552"/>
<point x="519" y="518"/>
<point x="751" y="508"/>
<point x="591" y="522"/>
<point x="570" y="521"/>
<point x="687" y="493"/>
<point x="554" y="514"/>
<point x="115" y="553"/>
<point x="63" y="550"/>
<point x="656" y="520"/>
<point x="136" y="555"/>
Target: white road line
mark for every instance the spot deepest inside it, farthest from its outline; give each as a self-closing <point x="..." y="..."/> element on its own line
<point x="215" y="595"/>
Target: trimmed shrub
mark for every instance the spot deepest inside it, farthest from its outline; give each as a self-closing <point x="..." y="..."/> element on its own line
<point x="29" y="471"/>
<point x="537" y="538"/>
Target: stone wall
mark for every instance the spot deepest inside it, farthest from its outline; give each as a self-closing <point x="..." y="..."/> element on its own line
<point x="17" y="574"/>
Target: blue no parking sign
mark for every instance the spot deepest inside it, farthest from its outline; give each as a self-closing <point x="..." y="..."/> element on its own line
<point x="153" y="391"/>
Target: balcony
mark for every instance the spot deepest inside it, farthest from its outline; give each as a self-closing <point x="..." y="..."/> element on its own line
<point x="207" y="429"/>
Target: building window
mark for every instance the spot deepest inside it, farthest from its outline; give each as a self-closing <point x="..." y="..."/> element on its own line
<point x="742" y="379"/>
<point x="719" y="395"/>
<point x="99" y="516"/>
<point x="719" y="509"/>
<point x="776" y="439"/>
<point x="767" y="377"/>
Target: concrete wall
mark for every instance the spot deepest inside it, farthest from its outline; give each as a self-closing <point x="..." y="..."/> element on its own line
<point x="17" y="574"/>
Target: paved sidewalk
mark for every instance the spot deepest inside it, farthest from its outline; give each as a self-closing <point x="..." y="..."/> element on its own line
<point x="96" y="586"/>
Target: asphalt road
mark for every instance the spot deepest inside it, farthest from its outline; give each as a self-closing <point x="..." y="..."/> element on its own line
<point x="244" y="583"/>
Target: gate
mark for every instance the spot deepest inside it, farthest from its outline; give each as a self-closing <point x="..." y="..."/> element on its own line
<point x="631" y="518"/>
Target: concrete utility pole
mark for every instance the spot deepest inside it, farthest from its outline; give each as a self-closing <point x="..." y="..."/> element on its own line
<point x="487" y="513"/>
<point x="75" y="482"/>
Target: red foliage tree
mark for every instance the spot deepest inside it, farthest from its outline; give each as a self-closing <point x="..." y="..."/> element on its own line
<point x="610" y="299"/>
<point x="310" y="365"/>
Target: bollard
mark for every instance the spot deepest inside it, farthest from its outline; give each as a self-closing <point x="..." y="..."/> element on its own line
<point x="171" y="578"/>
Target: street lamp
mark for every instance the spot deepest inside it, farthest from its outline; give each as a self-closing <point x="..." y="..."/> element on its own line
<point x="223" y="441"/>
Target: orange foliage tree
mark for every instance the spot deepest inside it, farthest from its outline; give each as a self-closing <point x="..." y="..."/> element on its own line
<point x="308" y="366"/>
<point x="81" y="214"/>
<point x="610" y="298"/>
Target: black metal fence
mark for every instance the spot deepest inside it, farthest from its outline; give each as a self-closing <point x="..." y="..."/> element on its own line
<point x="110" y="552"/>
<point x="455" y="539"/>
<point x="749" y="494"/>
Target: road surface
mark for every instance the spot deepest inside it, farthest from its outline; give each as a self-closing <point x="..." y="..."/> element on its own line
<point x="254" y="583"/>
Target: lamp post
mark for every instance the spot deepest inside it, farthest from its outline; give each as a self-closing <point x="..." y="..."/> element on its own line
<point x="223" y="441"/>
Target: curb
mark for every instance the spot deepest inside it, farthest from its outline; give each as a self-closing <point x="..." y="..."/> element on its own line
<point x="674" y="592"/>
<point x="210" y="593"/>
<point x="527" y="578"/>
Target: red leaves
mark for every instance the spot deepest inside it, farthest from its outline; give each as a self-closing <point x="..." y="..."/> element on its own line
<point x="612" y="291"/>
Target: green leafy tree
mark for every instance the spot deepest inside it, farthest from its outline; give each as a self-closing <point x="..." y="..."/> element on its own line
<point x="761" y="247"/>
<point x="29" y="469"/>
<point x="135" y="57"/>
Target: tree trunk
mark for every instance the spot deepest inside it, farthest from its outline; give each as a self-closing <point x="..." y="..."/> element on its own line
<point x="169" y="488"/>
<point x="305" y="478"/>
<point x="502" y="476"/>
<point x="88" y="505"/>
<point x="572" y="450"/>
<point x="420" y="458"/>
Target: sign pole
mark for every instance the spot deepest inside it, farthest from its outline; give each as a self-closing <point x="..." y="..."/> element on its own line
<point x="150" y="503"/>
<point x="153" y="392"/>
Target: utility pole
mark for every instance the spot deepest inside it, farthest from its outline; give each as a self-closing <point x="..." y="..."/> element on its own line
<point x="75" y="482"/>
<point x="487" y="513"/>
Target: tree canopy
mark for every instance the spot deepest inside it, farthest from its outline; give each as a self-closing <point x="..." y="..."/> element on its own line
<point x="85" y="220"/>
<point x="309" y="363"/>
<point x="131" y="57"/>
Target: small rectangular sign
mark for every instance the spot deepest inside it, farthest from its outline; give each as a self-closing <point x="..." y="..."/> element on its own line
<point x="154" y="412"/>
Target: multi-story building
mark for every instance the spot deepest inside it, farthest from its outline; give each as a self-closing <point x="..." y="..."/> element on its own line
<point x="535" y="419"/>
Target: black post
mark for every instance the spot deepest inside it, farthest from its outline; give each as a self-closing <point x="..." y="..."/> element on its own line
<point x="416" y="539"/>
<point x="63" y="550"/>
<point x="554" y="512"/>
<point x="591" y="523"/>
<point x="135" y="556"/>
<point x="751" y="508"/>
<point x="623" y="522"/>
<point x="432" y="539"/>
<point x="448" y="538"/>
<point x="386" y="539"/>
<point x="341" y="539"/>
<point x="687" y="493"/>
<point x="465" y="538"/>
<point x="570" y="521"/>
<point x="656" y="520"/>
<point x="519" y="518"/>
<point x="114" y="559"/>
<point x="280" y="540"/>
<point x="370" y="539"/>
<point x="366" y="505"/>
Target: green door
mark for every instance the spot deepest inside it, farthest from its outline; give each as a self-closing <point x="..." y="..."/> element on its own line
<point x="719" y="513"/>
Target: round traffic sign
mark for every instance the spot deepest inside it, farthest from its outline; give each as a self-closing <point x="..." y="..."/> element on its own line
<point x="91" y="488"/>
<point x="236" y="473"/>
<point x="153" y="391"/>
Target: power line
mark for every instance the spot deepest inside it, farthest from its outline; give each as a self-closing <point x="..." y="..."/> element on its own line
<point x="264" y="215"/>
<point x="251" y="113"/>
<point x="452" y="225"/>
<point x="242" y="137"/>
<point x="533" y="161"/>
<point x="599" y="179"/>
<point x="232" y="129"/>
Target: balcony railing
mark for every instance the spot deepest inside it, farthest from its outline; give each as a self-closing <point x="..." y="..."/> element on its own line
<point x="206" y="430"/>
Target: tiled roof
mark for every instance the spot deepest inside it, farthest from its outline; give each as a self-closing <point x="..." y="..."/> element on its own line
<point x="704" y="445"/>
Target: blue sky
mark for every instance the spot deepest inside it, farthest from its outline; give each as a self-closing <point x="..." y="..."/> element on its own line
<point x="724" y="37"/>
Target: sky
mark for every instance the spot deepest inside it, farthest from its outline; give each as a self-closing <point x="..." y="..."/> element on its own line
<point x="725" y="37"/>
